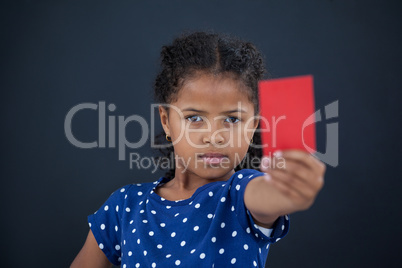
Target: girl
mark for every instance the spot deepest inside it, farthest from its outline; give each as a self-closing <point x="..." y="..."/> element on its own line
<point x="203" y="212"/>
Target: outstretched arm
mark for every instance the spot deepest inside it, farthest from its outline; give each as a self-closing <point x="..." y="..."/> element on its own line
<point x="291" y="184"/>
<point x="91" y="256"/>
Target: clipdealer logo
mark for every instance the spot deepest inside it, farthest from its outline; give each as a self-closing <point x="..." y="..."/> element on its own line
<point x="107" y="132"/>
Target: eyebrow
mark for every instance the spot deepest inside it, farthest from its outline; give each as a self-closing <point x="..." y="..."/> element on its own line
<point x="225" y="112"/>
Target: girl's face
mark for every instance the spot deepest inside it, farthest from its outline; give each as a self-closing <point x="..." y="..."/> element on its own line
<point x="211" y="124"/>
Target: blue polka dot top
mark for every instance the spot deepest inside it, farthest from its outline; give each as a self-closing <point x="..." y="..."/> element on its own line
<point x="135" y="227"/>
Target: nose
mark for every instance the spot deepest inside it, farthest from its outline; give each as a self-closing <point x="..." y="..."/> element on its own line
<point x="215" y="135"/>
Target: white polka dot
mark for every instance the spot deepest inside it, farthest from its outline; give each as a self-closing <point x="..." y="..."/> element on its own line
<point x="234" y="233"/>
<point x="177" y="262"/>
<point x="101" y="246"/>
<point x="168" y="256"/>
<point x="233" y="261"/>
<point x="177" y="214"/>
<point x="141" y="203"/>
<point x="119" y="259"/>
<point x="147" y="201"/>
<point x="211" y="193"/>
<point x="221" y="251"/>
<point x="138" y="241"/>
<point x="182" y="243"/>
<point x="124" y="242"/>
<point x="237" y="187"/>
<point x="141" y="211"/>
<point x="245" y="246"/>
<point x="197" y="205"/>
<point x="103" y="226"/>
<point x="240" y="176"/>
<point x="117" y="247"/>
<point x="162" y="224"/>
<point x="190" y="203"/>
<point x="151" y="233"/>
<point x="192" y="251"/>
<point x="133" y="230"/>
<point x="196" y="228"/>
<point x="122" y="190"/>
<point x="259" y="250"/>
<point x="255" y="264"/>
<point x="213" y="239"/>
<point x="223" y="199"/>
<point x="145" y="253"/>
<point x="286" y="217"/>
<point x="283" y="227"/>
<point x="185" y="219"/>
<point x="116" y="228"/>
<point x="222" y="225"/>
<point x="163" y="199"/>
<point x="130" y="253"/>
<point x="153" y="265"/>
<point x="144" y="221"/>
<point x="125" y="197"/>
<point x="159" y="246"/>
<point x="256" y="235"/>
<point x="173" y="234"/>
<point x="267" y="246"/>
<point x="139" y="193"/>
<point x="89" y="224"/>
<point x="106" y="208"/>
<point x="210" y="216"/>
<point x="153" y="212"/>
<point x="202" y="255"/>
<point x="137" y="265"/>
<point x="278" y="239"/>
<point x="124" y="266"/>
<point x="131" y="222"/>
<point x="117" y="208"/>
<point x="248" y="230"/>
<point x="168" y="207"/>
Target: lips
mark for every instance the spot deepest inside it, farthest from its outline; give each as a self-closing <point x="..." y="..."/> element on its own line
<point x="213" y="155"/>
<point x="213" y="158"/>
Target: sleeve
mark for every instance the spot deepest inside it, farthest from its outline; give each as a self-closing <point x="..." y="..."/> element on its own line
<point x="105" y="225"/>
<point x="239" y="183"/>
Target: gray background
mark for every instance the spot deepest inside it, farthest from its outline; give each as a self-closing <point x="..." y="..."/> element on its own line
<point x="57" y="54"/>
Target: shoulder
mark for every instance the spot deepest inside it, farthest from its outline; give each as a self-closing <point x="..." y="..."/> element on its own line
<point x="130" y="191"/>
<point x="136" y="189"/>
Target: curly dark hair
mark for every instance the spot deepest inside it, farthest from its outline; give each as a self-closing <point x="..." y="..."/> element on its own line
<point x="209" y="53"/>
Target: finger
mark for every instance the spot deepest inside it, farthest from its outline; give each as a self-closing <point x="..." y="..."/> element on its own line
<point x="291" y="184"/>
<point x="299" y="171"/>
<point x="265" y="164"/>
<point x="303" y="157"/>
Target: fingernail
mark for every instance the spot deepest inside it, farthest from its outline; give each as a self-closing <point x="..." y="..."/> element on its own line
<point x="265" y="162"/>
<point x="267" y="176"/>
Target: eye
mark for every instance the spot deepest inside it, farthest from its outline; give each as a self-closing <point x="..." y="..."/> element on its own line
<point x="194" y="118"/>
<point x="232" y="120"/>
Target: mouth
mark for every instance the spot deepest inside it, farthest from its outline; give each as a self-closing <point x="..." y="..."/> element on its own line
<point x="213" y="158"/>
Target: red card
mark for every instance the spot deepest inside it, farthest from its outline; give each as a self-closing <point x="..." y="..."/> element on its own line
<point x="287" y="111"/>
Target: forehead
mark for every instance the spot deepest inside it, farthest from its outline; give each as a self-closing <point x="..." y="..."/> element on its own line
<point x="213" y="93"/>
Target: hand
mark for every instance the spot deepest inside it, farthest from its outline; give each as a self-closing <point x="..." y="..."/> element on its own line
<point x="297" y="175"/>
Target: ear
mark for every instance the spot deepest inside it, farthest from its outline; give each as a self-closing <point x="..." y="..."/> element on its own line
<point x="163" y="113"/>
<point x="256" y="121"/>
